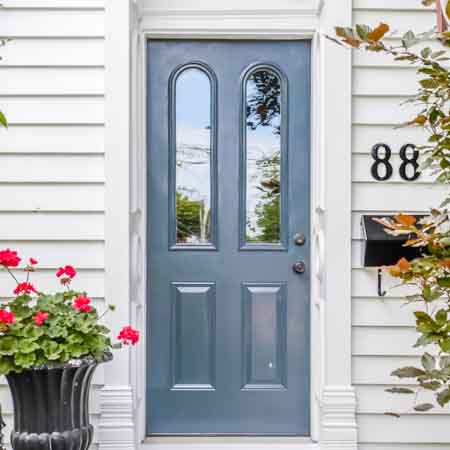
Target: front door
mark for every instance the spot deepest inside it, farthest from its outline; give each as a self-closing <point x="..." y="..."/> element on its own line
<point x="228" y="237"/>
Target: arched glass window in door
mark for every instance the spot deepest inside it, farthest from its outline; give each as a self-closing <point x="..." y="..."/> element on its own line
<point x="193" y="130"/>
<point x="263" y="158"/>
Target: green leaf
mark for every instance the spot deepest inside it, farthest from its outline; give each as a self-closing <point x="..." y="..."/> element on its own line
<point x="6" y="364"/>
<point x="400" y="390"/>
<point x="28" y="346"/>
<point x="424" y="407"/>
<point x="408" y="40"/>
<point x="8" y="345"/>
<point x="52" y="350"/>
<point x="408" y="372"/>
<point x="444" y="282"/>
<point x="428" y="362"/>
<point x="3" y="120"/>
<point x="31" y="331"/>
<point x="362" y="31"/>
<point x="431" y="385"/>
<point x="443" y="397"/>
<point x="25" y="360"/>
<point x="426" y="52"/>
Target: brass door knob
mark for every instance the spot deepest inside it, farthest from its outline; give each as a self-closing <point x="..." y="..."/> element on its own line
<point x="299" y="267"/>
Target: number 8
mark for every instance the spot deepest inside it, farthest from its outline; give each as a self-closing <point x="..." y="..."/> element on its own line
<point x="379" y="161"/>
<point x="406" y="161"/>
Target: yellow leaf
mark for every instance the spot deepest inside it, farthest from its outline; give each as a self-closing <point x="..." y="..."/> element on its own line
<point x="405" y="220"/>
<point x="340" y="31"/>
<point x="420" y="120"/>
<point x="447" y="9"/>
<point x="378" y="33"/>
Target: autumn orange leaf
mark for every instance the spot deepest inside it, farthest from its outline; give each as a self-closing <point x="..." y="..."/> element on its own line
<point x="352" y="42"/>
<point x="405" y="220"/>
<point x="378" y="32"/>
<point x="403" y="265"/>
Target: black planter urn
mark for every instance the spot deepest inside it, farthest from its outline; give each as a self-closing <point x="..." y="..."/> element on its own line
<point x="51" y="406"/>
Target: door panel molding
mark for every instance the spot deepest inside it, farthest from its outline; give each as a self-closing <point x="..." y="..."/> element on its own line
<point x="127" y="28"/>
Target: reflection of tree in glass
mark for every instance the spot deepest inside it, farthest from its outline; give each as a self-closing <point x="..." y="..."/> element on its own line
<point x="263" y="100"/>
<point x="267" y="210"/>
<point x="264" y="110"/>
<point x="193" y="220"/>
<point x="192" y="200"/>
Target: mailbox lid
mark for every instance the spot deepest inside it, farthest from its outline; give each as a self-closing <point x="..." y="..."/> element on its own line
<point x="382" y="249"/>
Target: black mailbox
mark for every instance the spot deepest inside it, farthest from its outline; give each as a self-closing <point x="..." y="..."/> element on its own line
<point x="382" y="249"/>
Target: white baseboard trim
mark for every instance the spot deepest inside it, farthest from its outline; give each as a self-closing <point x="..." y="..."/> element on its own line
<point x="338" y="428"/>
<point x="117" y="422"/>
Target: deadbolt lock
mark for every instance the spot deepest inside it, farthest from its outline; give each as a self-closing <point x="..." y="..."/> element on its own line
<point x="299" y="239"/>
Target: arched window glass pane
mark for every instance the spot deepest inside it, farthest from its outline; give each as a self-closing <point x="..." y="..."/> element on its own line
<point x="263" y="158"/>
<point x="193" y="157"/>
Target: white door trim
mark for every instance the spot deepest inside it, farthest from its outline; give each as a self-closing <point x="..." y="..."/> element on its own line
<point x="333" y="405"/>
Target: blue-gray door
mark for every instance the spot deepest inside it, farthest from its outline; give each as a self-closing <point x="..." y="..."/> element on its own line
<point x="228" y="203"/>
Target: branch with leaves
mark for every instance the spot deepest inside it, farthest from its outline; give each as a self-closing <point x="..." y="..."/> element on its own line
<point x="429" y="273"/>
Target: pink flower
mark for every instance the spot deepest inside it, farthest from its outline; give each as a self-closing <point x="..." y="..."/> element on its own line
<point x="66" y="270"/>
<point x="24" y="288"/>
<point x="128" y="335"/>
<point x="9" y="258"/>
<point x="82" y="303"/>
<point x="40" y="318"/>
<point x="7" y="316"/>
<point x="33" y="261"/>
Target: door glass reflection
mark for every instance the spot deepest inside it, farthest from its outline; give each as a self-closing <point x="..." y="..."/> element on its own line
<point x="263" y="161"/>
<point x="193" y="157"/>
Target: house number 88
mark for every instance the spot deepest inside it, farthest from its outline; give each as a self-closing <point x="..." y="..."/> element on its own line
<point x="409" y="159"/>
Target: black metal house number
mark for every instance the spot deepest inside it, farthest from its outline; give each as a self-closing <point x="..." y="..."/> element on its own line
<point x="409" y="156"/>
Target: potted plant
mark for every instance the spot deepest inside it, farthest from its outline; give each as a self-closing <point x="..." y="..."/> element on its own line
<point x="50" y="346"/>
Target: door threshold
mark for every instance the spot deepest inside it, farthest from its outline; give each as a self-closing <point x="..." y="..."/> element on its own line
<point x="228" y="443"/>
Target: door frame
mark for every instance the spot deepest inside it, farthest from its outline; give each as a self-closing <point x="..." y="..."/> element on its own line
<point x="128" y="27"/>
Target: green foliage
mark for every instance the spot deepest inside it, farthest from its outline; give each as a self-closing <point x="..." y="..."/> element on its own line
<point x="430" y="273"/>
<point x="189" y="218"/>
<point x="67" y="333"/>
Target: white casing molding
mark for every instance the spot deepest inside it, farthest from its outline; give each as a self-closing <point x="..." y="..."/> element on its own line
<point x="117" y="424"/>
<point x="338" y="425"/>
<point x="131" y="24"/>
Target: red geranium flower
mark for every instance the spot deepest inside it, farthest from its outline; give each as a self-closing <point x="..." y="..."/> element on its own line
<point x="128" y="335"/>
<point x="40" y="318"/>
<point x="25" y="288"/>
<point x="7" y="316"/>
<point x="66" y="270"/>
<point x="33" y="261"/>
<point x="9" y="258"/>
<point x="82" y="303"/>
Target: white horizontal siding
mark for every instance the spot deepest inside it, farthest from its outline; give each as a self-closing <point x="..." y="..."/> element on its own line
<point x="383" y="329"/>
<point x="45" y="81"/>
<point x="40" y="23"/>
<point x="52" y="155"/>
<point x="59" y="140"/>
<point x="55" y="226"/>
<point x="53" y="110"/>
<point x="53" y="52"/>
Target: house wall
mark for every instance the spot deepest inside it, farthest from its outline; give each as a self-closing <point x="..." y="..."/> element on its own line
<point x="52" y="155"/>
<point x="383" y="331"/>
<point x="52" y="183"/>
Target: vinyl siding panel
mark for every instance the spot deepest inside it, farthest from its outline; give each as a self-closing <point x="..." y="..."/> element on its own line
<point x="52" y="155"/>
<point x="383" y="329"/>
